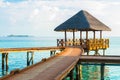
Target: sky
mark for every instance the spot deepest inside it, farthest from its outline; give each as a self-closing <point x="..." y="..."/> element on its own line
<point x="40" y="17"/>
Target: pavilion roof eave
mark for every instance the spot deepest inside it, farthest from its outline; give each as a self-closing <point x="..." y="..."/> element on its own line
<point x="82" y="21"/>
<point x="90" y="29"/>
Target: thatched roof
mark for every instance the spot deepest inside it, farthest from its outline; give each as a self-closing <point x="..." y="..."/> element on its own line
<point x="82" y="21"/>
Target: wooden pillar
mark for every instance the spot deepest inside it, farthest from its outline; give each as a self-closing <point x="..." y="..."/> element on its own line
<point x="65" y="37"/>
<point x="71" y="75"/>
<point x="80" y="35"/>
<point x="57" y="42"/>
<point x="30" y="58"/>
<point x="103" y="52"/>
<point x="4" y="61"/>
<point x="50" y="53"/>
<point x="102" y="71"/>
<point x="73" y="37"/>
<point x="93" y="34"/>
<point x="88" y="52"/>
<point x="86" y="35"/>
<point x="100" y="34"/>
<point x="77" y="72"/>
<point x="54" y="52"/>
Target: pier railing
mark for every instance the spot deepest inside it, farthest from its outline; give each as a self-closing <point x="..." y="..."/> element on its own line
<point x="90" y="44"/>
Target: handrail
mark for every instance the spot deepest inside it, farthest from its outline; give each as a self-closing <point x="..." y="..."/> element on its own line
<point x="90" y="44"/>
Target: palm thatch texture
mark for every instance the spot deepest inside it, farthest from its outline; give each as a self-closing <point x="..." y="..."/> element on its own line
<point x="82" y="21"/>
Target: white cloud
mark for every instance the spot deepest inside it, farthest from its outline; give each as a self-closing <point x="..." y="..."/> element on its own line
<point x="40" y="16"/>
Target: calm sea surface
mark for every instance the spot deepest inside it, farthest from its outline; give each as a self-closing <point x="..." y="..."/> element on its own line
<point x="89" y="72"/>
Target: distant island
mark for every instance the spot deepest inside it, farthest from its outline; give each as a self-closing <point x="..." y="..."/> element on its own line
<point x="19" y="36"/>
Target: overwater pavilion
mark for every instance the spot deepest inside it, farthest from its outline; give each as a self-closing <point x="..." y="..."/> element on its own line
<point x="84" y="22"/>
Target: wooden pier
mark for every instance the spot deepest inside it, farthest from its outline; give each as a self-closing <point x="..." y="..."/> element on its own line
<point x="54" y="68"/>
<point x="62" y="65"/>
<point x="30" y="54"/>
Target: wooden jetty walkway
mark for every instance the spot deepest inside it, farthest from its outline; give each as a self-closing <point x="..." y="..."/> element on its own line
<point x="30" y="53"/>
<point x="49" y="69"/>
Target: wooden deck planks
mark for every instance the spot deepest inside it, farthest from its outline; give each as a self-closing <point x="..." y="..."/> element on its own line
<point x="52" y="69"/>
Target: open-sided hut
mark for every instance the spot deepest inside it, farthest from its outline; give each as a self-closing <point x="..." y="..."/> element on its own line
<point x="82" y="21"/>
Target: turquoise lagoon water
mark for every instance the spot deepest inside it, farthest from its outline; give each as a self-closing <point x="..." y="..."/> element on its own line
<point x="89" y="72"/>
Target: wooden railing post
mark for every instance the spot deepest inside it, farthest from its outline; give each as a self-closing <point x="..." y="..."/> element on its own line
<point x="4" y="61"/>
<point x="3" y="56"/>
<point x="30" y="58"/>
<point x="77" y="72"/>
<point x="102" y="71"/>
<point x="57" y="42"/>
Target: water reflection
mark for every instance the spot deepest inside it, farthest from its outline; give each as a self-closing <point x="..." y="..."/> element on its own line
<point x="94" y="72"/>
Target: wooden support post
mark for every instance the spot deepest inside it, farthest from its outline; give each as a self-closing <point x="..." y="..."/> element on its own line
<point x="3" y="56"/>
<point x="88" y="52"/>
<point x="100" y="34"/>
<point x="86" y="35"/>
<point x="80" y="71"/>
<point x="103" y="52"/>
<point x="5" y="61"/>
<point x="57" y="42"/>
<point x="94" y="34"/>
<point x="51" y="53"/>
<point x="65" y="37"/>
<point x="102" y="71"/>
<point x="71" y="75"/>
<point x="30" y="58"/>
<point x="54" y="52"/>
<point x="77" y="72"/>
<point x="73" y="37"/>
<point x="80" y="35"/>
